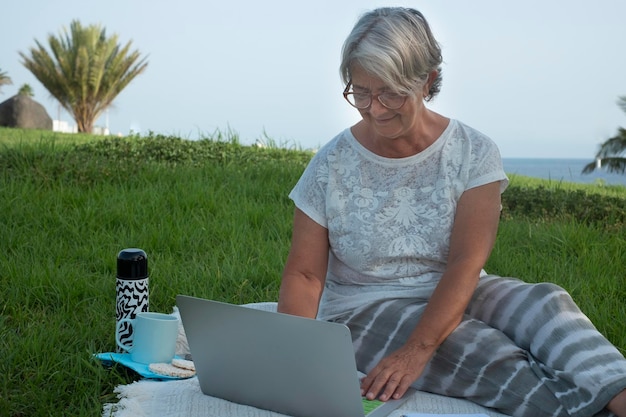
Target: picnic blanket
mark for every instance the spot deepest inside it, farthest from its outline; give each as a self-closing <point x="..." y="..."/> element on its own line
<point x="183" y="398"/>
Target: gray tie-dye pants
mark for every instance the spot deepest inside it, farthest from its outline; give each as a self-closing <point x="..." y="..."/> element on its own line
<point x="522" y="349"/>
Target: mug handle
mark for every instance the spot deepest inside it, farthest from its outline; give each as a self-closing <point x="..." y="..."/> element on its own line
<point x="117" y="333"/>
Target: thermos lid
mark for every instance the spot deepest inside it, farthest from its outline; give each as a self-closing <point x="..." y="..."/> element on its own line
<point x="132" y="263"/>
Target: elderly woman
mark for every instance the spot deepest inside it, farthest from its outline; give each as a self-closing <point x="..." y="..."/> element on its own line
<point x="394" y="221"/>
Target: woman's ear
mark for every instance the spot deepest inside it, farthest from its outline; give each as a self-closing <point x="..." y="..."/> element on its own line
<point x="432" y="76"/>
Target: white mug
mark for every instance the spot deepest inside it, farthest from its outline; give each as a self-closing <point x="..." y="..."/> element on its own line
<point x="154" y="337"/>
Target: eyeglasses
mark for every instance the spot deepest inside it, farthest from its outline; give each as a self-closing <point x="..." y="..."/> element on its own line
<point x="392" y="101"/>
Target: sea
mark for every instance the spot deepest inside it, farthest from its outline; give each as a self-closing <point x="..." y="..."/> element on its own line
<point x="561" y="170"/>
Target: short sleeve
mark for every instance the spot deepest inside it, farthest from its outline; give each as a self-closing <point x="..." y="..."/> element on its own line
<point x="486" y="162"/>
<point x="311" y="191"/>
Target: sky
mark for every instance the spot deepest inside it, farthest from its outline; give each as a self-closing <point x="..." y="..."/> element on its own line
<point x="541" y="78"/>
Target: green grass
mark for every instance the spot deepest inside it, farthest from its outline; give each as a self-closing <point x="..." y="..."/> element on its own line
<point x="215" y="221"/>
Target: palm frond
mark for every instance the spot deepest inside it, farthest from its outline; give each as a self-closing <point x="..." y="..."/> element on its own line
<point x="611" y="154"/>
<point x="4" y="78"/>
<point x="614" y="146"/>
<point x="622" y="103"/>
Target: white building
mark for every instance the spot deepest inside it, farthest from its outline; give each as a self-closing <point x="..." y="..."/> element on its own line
<point x="64" y="127"/>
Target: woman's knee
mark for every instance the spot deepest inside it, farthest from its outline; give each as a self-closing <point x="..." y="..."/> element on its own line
<point x="548" y="288"/>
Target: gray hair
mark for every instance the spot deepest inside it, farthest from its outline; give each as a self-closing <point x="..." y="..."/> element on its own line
<point x="396" y="45"/>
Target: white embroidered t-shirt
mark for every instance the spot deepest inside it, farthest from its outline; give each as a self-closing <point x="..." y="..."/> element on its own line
<point x="389" y="220"/>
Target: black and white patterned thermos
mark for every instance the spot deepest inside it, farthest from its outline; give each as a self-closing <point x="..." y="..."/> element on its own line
<point x="131" y="289"/>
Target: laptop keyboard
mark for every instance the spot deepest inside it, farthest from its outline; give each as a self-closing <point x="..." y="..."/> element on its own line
<point x="370" y="405"/>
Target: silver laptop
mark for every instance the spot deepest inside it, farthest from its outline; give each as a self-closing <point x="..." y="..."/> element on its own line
<point x="292" y="365"/>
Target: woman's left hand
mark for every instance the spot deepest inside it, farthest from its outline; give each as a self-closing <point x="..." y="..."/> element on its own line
<point x="393" y="375"/>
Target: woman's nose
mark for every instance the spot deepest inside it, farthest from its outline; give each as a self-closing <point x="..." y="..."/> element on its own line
<point x="377" y="107"/>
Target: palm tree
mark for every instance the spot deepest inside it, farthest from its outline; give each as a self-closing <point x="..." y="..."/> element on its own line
<point x="26" y="90"/>
<point x="85" y="71"/>
<point x="612" y="153"/>
<point x="4" y="78"/>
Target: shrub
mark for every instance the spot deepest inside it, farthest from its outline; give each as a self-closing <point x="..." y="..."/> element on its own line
<point x="542" y="203"/>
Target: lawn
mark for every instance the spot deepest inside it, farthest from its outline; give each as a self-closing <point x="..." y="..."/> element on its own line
<point x="215" y="220"/>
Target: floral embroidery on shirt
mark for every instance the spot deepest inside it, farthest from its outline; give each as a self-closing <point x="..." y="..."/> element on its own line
<point x="389" y="220"/>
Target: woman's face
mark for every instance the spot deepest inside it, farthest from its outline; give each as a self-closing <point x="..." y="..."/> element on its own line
<point x="387" y="123"/>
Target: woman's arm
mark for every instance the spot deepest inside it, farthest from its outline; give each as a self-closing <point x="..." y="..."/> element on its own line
<point x="473" y="236"/>
<point x="305" y="271"/>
